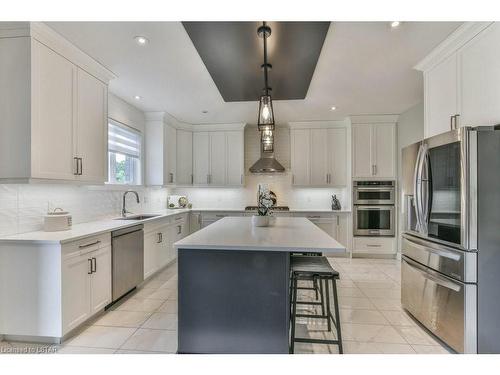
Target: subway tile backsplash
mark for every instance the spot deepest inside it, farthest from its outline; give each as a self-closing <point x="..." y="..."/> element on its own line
<point x="23" y="206"/>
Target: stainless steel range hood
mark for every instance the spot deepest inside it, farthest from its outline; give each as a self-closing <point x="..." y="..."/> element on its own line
<point x="267" y="164"/>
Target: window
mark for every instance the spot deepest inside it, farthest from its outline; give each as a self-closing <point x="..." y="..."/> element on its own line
<point x="124" y="154"/>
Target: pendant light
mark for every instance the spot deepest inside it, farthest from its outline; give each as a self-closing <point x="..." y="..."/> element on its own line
<point x="266" y="113"/>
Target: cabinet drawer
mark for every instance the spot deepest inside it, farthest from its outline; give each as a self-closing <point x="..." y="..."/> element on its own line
<point x="216" y="215"/>
<point x="153" y="225"/>
<point x="86" y="245"/>
<point x="374" y="245"/>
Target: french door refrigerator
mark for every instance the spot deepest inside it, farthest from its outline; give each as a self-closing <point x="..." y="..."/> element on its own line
<point x="450" y="272"/>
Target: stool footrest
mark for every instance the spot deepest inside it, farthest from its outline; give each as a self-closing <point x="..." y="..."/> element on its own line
<point x="316" y="341"/>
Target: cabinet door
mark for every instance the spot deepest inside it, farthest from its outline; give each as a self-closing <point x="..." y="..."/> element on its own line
<point x="384" y="148"/>
<point x="201" y="152"/>
<point x="440" y="96"/>
<point x="151" y="261"/>
<point x="91" y="133"/>
<point x="362" y="150"/>
<point x="170" y="155"/>
<point x="235" y="147"/>
<point x="101" y="279"/>
<point x="342" y="236"/>
<point x="75" y="291"/>
<point x="184" y="160"/>
<point x="164" y="248"/>
<point x="53" y="115"/>
<point x="217" y="158"/>
<point x="480" y="77"/>
<point x="319" y="157"/>
<point x="300" y="144"/>
<point x="337" y="156"/>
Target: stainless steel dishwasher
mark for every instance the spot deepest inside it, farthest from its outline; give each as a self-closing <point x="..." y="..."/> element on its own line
<point x="128" y="259"/>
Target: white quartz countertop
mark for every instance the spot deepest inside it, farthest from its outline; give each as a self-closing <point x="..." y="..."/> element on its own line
<point x="196" y="209"/>
<point x="291" y="234"/>
<point x="79" y="231"/>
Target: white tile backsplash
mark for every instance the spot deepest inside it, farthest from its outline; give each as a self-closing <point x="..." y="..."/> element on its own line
<point x="280" y="183"/>
<point x="22" y="206"/>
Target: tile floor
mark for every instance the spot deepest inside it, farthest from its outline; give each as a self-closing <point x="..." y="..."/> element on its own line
<point x="371" y="315"/>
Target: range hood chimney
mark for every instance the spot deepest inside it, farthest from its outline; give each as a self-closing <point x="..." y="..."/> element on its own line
<point x="267" y="164"/>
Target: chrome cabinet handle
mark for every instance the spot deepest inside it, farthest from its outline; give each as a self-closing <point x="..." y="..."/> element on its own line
<point x="94" y="265"/>
<point x="171" y="177"/>
<point x="159" y="238"/>
<point x="76" y="166"/>
<point x="178" y="218"/>
<point x="192" y="179"/>
<point x="179" y="229"/>
<point x="241" y="179"/>
<point x="81" y="166"/>
<point x="89" y="244"/>
<point x="370" y="245"/>
<point x="314" y="217"/>
<point x="451" y="122"/>
<point x="89" y="272"/>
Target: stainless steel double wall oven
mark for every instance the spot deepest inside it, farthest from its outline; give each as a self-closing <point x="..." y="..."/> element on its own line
<point x="374" y="213"/>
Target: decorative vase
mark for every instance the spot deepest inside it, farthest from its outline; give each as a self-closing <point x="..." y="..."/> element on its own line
<point x="260" y="221"/>
<point x="336" y="203"/>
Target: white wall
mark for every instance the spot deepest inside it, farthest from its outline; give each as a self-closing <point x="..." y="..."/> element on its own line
<point x="22" y="206"/>
<point x="410" y="130"/>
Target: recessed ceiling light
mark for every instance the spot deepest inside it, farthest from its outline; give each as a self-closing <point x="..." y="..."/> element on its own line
<point x="395" y="24"/>
<point x="141" y="40"/>
<point x="333" y="108"/>
<point x="137" y="97"/>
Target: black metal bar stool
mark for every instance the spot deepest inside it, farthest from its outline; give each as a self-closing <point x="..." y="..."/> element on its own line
<point x="317" y="288"/>
<point x="311" y="268"/>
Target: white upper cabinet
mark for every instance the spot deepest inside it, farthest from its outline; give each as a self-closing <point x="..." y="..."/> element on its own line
<point x="184" y="160"/>
<point x="319" y="156"/>
<point x="218" y="158"/>
<point x="170" y="156"/>
<point x="384" y="149"/>
<point x="201" y="156"/>
<point x="480" y="79"/>
<point x="374" y="150"/>
<point x="53" y="115"/>
<point x="53" y="109"/>
<point x="91" y="125"/>
<point x="300" y="156"/>
<point x="235" y="145"/>
<point x="461" y="78"/>
<point x="217" y="175"/>
<point x="441" y="97"/>
<point x="362" y="165"/>
<point x="337" y="157"/>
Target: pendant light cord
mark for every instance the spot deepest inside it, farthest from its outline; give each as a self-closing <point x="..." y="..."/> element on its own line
<point x="264" y="36"/>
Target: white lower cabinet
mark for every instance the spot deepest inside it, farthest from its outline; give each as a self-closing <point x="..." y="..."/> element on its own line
<point x="159" y="238"/>
<point x="86" y="280"/>
<point x="374" y="245"/>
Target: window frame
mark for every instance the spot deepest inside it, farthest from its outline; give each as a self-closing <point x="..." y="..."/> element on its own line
<point x="138" y="180"/>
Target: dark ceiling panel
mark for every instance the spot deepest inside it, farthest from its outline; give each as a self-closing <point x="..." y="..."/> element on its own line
<point x="233" y="54"/>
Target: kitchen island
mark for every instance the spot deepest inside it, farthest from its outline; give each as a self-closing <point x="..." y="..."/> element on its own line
<point x="234" y="283"/>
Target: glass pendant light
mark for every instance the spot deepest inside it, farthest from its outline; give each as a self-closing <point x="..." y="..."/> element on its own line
<point x="266" y="113"/>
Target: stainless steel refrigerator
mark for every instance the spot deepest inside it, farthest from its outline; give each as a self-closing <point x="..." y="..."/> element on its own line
<point x="450" y="272"/>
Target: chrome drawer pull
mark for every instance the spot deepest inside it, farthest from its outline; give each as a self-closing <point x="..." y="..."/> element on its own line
<point x="368" y="245"/>
<point x="89" y="244"/>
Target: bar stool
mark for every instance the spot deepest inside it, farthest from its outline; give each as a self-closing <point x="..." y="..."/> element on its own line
<point x="309" y="268"/>
<point x="315" y="286"/>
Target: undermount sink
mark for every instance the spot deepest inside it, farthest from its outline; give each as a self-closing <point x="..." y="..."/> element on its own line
<point x="138" y="217"/>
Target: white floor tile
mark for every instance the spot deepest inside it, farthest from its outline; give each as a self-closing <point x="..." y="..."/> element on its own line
<point x="161" y="320"/>
<point x="430" y="349"/>
<point x="152" y="340"/>
<point x="362" y="317"/>
<point x="353" y="347"/>
<point x="84" y="350"/>
<point x="398" y="318"/>
<point x="118" y="318"/>
<point x="387" y="304"/>
<point x="102" y="337"/>
<point x="416" y="335"/>
<point x="169" y="306"/>
<point x="140" y="305"/>
<point x="355" y="303"/>
<point x="371" y="333"/>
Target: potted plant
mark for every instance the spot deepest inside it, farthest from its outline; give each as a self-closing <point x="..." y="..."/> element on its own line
<point x="264" y="208"/>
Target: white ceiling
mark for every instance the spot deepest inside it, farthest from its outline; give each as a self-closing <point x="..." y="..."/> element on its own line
<point x="364" y="68"/>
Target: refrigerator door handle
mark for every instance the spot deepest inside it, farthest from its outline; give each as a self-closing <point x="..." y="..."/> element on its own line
<point x="416" y="189"/>
<point x="426" y="198"/>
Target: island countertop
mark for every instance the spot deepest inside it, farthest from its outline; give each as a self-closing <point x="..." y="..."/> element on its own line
<point x="286" y="234"/>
